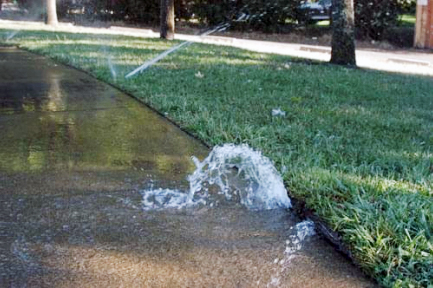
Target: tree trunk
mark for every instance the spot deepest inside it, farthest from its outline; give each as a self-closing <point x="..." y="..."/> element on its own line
<point x="51" y="12"/>
<point x="343" y="33"/>
<point x="167" y="19"/>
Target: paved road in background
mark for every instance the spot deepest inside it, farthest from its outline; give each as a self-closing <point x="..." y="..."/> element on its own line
<point x="401" y="61"/>
<point x="410" y="61"/>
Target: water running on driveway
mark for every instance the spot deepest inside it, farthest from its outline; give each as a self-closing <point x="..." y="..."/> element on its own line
<point x="75" y="158"/>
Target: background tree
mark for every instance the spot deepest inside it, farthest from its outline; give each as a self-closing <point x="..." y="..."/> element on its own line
<point x="167" y="19"/>
<point x="374" y="17"/>
<point x="343" y="33"/>
<point x="51" y="12"/>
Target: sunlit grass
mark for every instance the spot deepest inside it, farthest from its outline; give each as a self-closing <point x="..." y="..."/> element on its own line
<point x="323" y="23"/>
<point x="407" y="20"/>
<point x="357" y="145"/>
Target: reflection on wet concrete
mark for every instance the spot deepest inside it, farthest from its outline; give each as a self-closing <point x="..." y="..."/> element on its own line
<point x="74" y="155"/>
<point x="56" y="118"/>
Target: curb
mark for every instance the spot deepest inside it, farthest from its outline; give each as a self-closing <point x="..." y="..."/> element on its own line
<point x="408" y="61"/>
<point x="315" y="49"/>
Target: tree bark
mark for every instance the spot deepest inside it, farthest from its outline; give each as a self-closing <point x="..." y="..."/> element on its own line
<point x="51" y="13"/>
<point x="167" y="19"/>
<point x="343" y="33"/>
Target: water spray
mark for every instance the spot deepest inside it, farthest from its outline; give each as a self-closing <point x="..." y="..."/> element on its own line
<point x="34" y="16"/>
<point x="112" y="70"/>
<point x="230" y="173"/>
<point x="150" y="62"/>
<point x="110" y="62"/>
<point x="11" y="35"/>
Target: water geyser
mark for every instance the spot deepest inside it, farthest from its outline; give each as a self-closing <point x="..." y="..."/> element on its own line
<point x="231" y="173"/>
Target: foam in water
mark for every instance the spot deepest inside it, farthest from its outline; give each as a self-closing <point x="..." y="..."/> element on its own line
<point x="305" y="229"/>
<point x="160" y="199"/>
<point x="302" y="231"/>
<point x="231" y="172"/>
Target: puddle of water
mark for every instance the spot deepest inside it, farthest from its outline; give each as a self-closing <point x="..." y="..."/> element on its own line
<point x="99" y="241"/>
<point x="233" y="175"/>
<point x="238" y="184"/>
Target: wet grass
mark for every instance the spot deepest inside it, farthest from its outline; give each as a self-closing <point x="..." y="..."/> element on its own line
<point x="355" y="145"/>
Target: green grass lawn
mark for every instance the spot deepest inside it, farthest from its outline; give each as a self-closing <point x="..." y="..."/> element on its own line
<point x="407" y="20"/>
<point x="357" y="144"/>
<point x="325" y="23"/>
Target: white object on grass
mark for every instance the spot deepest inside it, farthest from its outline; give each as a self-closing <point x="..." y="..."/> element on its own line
<point x="278" y="112"/>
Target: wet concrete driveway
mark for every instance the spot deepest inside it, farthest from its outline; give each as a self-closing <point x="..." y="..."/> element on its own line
<point x="74" y="155"/>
